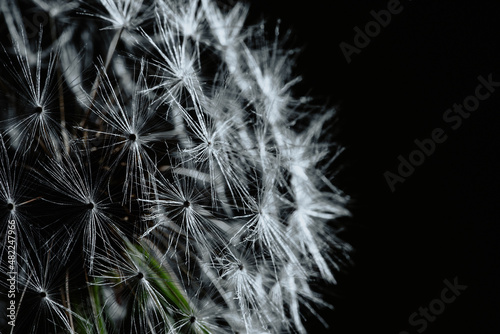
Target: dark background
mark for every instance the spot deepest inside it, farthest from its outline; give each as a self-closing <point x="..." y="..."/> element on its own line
<point x="442" y="222"/>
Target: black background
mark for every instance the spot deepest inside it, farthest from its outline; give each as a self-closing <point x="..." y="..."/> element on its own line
<point x="442" y="222"/>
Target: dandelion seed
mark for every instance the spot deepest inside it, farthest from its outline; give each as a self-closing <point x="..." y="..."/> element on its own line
<point x="133" y="129"/>
<point x="40" y="276"/>
<point x="37" y="121"/>
<point x="226" y="27"/>
<point x="135" y="274"/>
<point x="57" y="8"/>
<point x="177" y="63"/>
<point x="14" y="196"/>
<point x="89" y="211"/>
<point x="242" y="277"/>
<point x="183" y="211"/>
<point x="214" y="153"/>
<point x="266" y="232"/>
<point x="205" y="314"/>
<point x="188" y="18"/>
<point x="124" y="13"/>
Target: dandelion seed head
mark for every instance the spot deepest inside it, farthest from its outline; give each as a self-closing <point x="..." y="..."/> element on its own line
<point x="177" y="185"/>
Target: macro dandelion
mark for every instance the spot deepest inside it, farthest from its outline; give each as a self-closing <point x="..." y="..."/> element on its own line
<point x="160" y="174"/>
